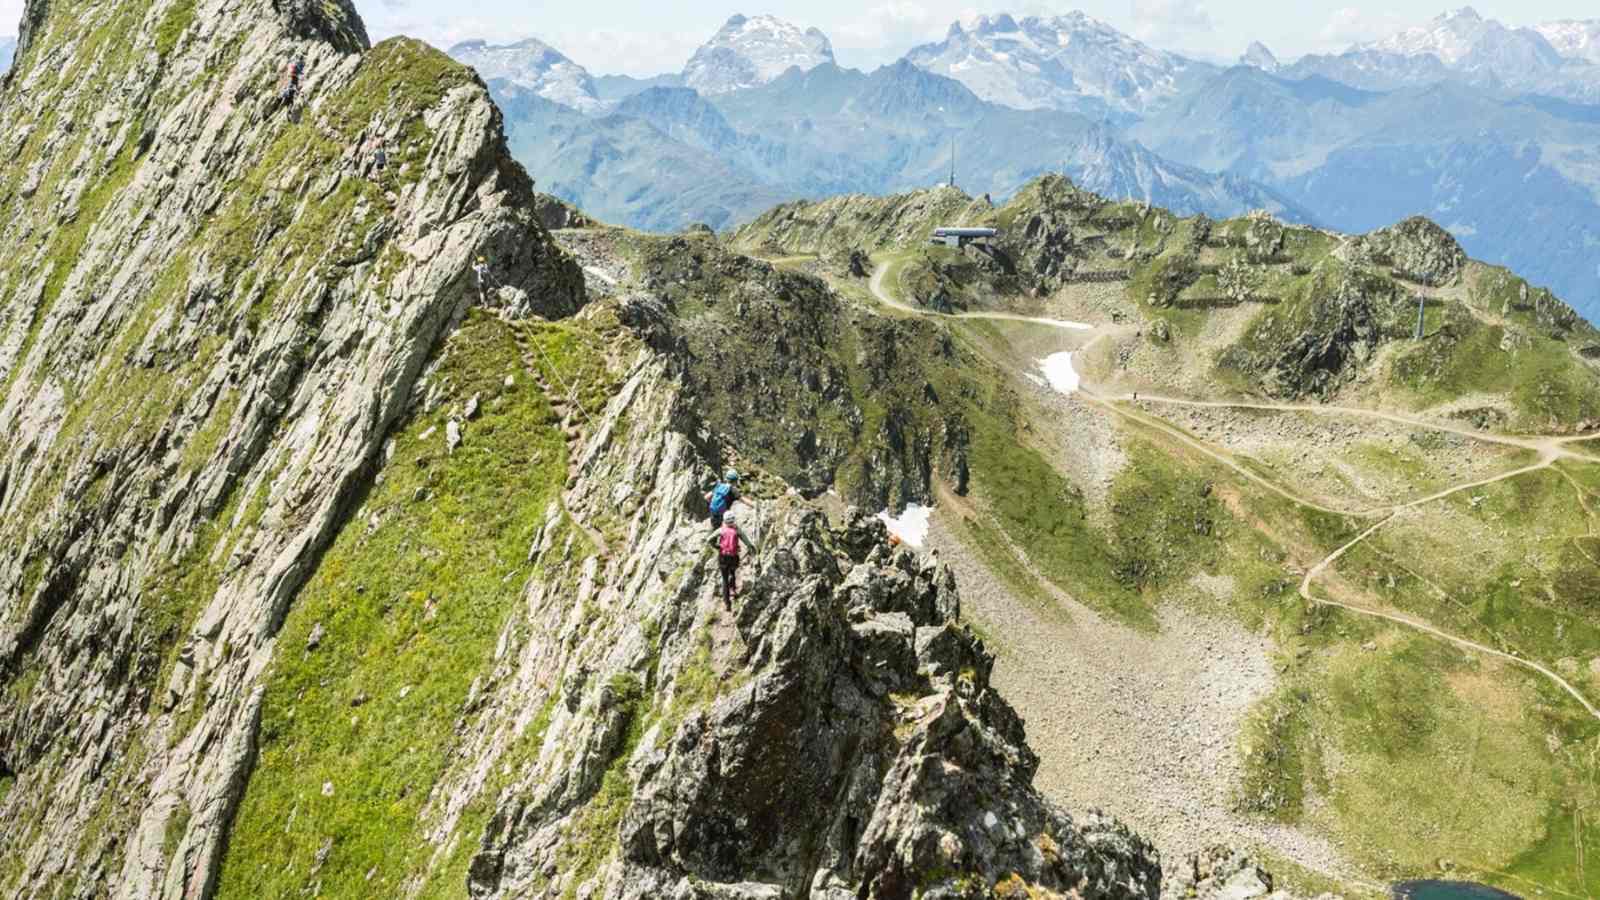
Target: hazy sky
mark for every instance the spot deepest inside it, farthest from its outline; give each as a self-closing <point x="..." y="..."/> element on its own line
<point x="643" y="37"/>
<point x="649" y="36"/>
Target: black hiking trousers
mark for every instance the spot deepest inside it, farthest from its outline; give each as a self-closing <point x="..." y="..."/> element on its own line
<point x="729" y="566"/>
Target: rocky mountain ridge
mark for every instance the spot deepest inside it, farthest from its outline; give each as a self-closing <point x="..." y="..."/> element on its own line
<point x="1069" y="62"/>
<point x="344" y="569"/>
<point x="1325" y="304"/>
<point x="1462" y="45"/>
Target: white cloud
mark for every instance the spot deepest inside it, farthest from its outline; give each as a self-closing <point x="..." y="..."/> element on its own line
<point x="637" y="53"/>
<point x="1349" y="25"/>
<point x="886" y="31"/>
<point x="1174" y="21"/>
<point x="10" y="16"/>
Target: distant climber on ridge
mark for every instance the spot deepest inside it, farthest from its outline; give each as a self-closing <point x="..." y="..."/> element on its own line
<point x="722" y="496"/>
<point x="290" y="90"/>
<point x="485" y="281"/>
<point x="374" y="158"/>
<point x="728" y="537"/>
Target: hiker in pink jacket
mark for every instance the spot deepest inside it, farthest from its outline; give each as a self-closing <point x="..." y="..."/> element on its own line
<point x="728" y="538"/>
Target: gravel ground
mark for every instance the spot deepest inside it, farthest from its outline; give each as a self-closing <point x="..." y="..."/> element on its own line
<point x="1143" y="726"/>
<point x="1314" y="453"/>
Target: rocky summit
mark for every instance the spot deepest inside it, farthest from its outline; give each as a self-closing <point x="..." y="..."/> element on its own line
<point x="747" y="52"/>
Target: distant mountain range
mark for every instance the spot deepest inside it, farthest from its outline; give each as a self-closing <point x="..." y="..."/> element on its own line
<point x="1487" y="128"/>
<point x="1463" y="46"/>
<point x="8" y="47"/>
<point x="535" y="67"/>
<point x="1069" y="62"/>
<point x="831" y="130"/>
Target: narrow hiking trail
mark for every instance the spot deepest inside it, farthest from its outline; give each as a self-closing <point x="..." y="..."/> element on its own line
<point x="1547" y="461"/>
<point x="1551" y="449"/>
<point x="882" y="295"/>
<point x="568" y="408"/>
<point x="1541" y="444"/>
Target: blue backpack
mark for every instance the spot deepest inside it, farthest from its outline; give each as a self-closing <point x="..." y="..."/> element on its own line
<point x="719" y="497"/>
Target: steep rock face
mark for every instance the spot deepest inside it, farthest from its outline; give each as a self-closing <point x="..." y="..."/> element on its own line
<point x="209" y="321"/>
<point x="831" y="735"/>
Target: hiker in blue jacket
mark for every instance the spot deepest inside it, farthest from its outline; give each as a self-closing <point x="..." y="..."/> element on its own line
<point x="723" y="496"/>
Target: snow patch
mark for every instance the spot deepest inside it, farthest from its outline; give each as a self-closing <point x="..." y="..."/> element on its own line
<point x="1063" y="323"/>
<point x="1059" y="372"/>
<point x="911" y="526"/>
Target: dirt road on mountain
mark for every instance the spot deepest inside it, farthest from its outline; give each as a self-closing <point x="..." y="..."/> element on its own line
<point x="1541" y="444"/>
<point x="883" y="296"/>
<point x="1550" y="448"/>
<point x="1549" y="459"/>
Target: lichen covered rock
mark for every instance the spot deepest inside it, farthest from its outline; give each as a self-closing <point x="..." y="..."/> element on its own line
<point x="1419" y="250"/>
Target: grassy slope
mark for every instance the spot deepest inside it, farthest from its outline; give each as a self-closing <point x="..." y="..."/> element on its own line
<point x="410" y="611"/>
<point x="124" y="402"/>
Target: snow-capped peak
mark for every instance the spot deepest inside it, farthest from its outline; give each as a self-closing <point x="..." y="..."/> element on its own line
<point x="1450" y="37"/>
<point x="533" y="66"/>
<point x="1260" y="57"/>
<point x="751" y="51"/>
<point x="1574" y="38"/>
<point x="1055" y="61"/>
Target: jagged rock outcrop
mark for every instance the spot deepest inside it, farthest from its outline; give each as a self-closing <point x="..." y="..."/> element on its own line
<point x="1040" y="240"/>
<point x="1418" y="249"/>
<point x="554" y="214"/>
<point x="1343" y="332"/>
<point x="833" y="735"/>
<point x="1263" y="237"/>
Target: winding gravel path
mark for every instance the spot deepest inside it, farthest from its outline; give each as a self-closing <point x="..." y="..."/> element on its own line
<point x="1554" y="444"/>
<point x="1548" y="460"/>
<point x="1144" y="725"/>
<point x="883" y="297"/>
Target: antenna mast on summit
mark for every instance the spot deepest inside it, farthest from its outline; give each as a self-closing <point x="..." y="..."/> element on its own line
<point x="952" y="162"/>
